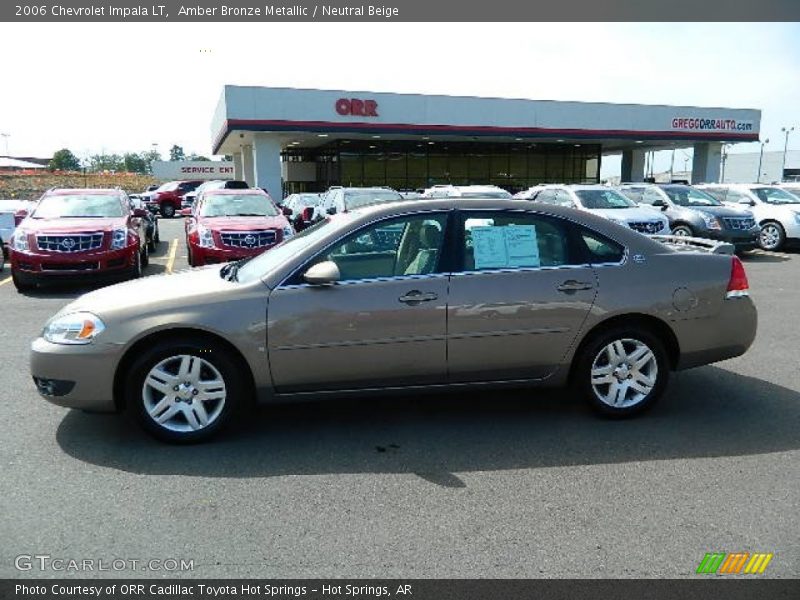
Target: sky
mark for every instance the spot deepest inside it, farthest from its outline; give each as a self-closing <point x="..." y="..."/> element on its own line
<point x="118" y="87"/>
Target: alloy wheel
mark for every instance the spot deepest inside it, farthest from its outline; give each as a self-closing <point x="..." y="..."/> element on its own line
<point x="770" y="236"/>
<point x="184" y="393"/>
<point x="624" y="373"/>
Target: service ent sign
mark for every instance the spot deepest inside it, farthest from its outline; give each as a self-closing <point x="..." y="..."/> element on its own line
<point x="193" y="169"/>
<point x="356" y="107"/>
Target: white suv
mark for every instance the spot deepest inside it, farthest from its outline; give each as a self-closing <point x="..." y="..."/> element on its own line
<point x="465" y="191"/>
<point x="777" y="212"/>
<point x="605" y="202"/>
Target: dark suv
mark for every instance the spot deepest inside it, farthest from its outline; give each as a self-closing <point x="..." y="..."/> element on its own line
<point x="693" y="212"/>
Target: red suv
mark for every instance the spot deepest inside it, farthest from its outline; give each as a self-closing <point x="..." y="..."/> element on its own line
<point x="226" y="225"/>
<point x="167" y="199"/>
<point x="79" y="232"/>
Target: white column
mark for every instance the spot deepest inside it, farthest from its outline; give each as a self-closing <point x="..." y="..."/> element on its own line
<point x="248" y="173"/>
<point x="706" y="162"/>
<point x="632" y="166"/>
<point x="267" y="160"/>
<point x="238" y="172"/>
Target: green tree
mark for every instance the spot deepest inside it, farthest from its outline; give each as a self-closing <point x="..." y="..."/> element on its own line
<point x="177" y="153"/>
<point x="149" y="156"/>
<point x="106" y="162"/>
<point x="194" y="156"/>
<point x="64" y="160"/>
<point x="134" y="163"/>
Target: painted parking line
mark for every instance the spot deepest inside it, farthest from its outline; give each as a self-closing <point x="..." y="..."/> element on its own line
<point x="5" y="281"/>
<point x="173" y="249"/>
<point x="771" y="253"/>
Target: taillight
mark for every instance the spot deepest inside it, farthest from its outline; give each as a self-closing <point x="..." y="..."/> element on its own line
<point x="737" y="285"/>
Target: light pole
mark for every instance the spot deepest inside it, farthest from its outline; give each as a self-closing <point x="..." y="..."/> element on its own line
<point x="787" y="131"/>
<point x="760" y="158"/>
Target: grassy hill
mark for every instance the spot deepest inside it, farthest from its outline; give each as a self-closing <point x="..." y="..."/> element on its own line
<point x="31" y="184"/>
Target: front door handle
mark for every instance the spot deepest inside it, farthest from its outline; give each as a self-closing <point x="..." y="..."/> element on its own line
<point x="574" y="286"/>
<point x="415" y="297"/>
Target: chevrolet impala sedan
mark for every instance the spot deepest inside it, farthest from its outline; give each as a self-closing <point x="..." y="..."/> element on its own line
<point x="418" y="296"/>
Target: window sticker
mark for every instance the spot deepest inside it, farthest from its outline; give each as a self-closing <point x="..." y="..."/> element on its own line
<point x="505" y="247"/>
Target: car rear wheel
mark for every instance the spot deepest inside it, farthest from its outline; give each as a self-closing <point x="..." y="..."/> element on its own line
<point x="23" y="283"/>
<point x="184" y="391"/>
<point x="682" y="230"/>
<point x="772" y="236"/>
<point x="622" y="372"/>
<point x="136" y="269"/>
<point x="167" y="211"/>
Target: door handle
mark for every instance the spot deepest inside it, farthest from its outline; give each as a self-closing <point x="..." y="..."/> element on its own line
<point x="574" y="286"/>
<point x="415" y="297"/>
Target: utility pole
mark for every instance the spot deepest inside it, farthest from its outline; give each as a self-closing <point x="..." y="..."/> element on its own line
<point x="787" y="131"/>
<point x="760" y="159"/>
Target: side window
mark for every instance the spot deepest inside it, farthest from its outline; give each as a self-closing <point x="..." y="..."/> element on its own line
<point x="546" y="196"/>
<point x="563" y="198"/>
<point x="650" y="196"/>
<point x="634" y="194"/>
<point x="395" y="247"/>
<point x="734" y="196"/>
<point x="722" y="194"/>
<point x="600" y="249"/>
<point x="508" y="240"/>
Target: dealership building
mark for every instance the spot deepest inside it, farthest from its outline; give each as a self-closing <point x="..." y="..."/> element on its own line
<point x="290" y="140"/>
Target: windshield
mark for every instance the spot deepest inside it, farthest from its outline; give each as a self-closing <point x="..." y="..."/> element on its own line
<point x="306" y="200"/>
<point x="358" y="198"/>
<point x="687" y="196"/>
<point x="244" y="205"/>
<point x="774" y="196"/>
<point x="267" y="261"/>
<point x="168" y="187"/>
<point x="603" y="199"/>
<point x="79" y="205"/>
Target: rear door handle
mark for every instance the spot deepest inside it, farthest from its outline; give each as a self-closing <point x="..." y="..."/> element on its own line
<point x="574" y="286"/>
<point x="415" y="297"/>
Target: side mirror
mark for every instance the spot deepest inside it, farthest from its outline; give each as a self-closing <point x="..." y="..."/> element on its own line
<point x="659" y="203"/>
<point x="747" y="202"/>
<point x="140" y="213"/>
<point x="331" y="210"/>
<point x="185" y="212"/>
<point x="287" y="212"/>
<point x="324" y="273"/>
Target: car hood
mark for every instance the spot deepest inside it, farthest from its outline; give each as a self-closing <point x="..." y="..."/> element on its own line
<point x="72" y="225"/>
<point x="154" y="293"/>
<point x="244" y="223"/>
<point x="722" y="211"/>
<point x="628" y="214"/>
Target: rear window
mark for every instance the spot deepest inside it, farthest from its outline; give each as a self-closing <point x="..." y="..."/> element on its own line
<point x="236" y="185"/>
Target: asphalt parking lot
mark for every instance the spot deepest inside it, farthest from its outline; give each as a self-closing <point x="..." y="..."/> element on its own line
<point x="501" y="484"/>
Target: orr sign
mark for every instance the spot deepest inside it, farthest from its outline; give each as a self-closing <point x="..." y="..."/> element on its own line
<point x="355" y="107"/>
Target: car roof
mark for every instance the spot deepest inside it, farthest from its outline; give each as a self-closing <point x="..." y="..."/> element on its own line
<point x="84" y="191"/>
<point x="235" y="192"/>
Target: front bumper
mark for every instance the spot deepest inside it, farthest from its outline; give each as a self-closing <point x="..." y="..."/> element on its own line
<point x="75" y="376"/>
<point x="740" y="239"/>
<point x="209" y="256"/>
<point x="57" y="264"/>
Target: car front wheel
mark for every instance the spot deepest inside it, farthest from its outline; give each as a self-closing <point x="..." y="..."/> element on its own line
<point x="23" y="283"/>
<point x="184" y="391"/>
<point x="772" y="236"/>
<point x="622" y="372"/>
<point x="682" y="230"/>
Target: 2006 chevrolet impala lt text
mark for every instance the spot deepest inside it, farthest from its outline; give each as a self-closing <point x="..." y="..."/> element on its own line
<point x="423" y="295"/>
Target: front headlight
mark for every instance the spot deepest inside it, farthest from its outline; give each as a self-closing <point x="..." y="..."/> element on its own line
<point x="73" y="328"/>
<point x="287" y="232"/>
<point x="206" y="238"/>
<point x="20" y="241"/>
<point x="711" y="221"/>
<point x="119" y="238"/>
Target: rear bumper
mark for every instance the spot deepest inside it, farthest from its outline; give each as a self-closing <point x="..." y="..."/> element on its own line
<point x="75" y="376"/>
<point x="58" y="265"/>
<point x="725" y="335"/>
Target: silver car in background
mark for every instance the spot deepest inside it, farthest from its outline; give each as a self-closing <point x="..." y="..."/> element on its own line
<point x="402" y="297"/>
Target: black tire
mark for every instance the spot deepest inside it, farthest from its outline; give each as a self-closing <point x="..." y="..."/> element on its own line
<point x="682" y="229"/>
<point x="23" y="283"/>
<point x="145" y="254"/>
<point x="151" y="242"/>
<point x="226" y="365"/>
<point x="136" y="270"/>
<point x="591" y="351"/>
<point x="772" y="236"/>
<point x="167" y="211"/>
<point x="156" y="236"/>
<point x="189" y="257"/>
